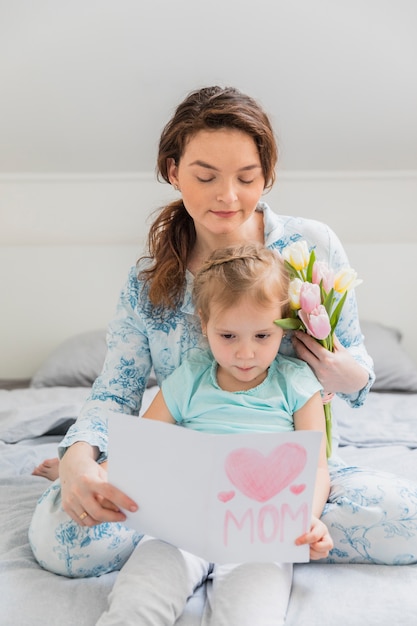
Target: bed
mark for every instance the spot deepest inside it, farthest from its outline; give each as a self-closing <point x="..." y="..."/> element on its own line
<point x="35" y="414"/>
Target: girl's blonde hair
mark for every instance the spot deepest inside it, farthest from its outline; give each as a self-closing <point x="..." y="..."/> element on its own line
<point x="172" y="235"/>
<point x="246" y="270"/>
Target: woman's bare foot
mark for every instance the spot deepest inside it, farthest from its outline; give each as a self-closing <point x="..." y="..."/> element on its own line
<point x="48" y="469"/>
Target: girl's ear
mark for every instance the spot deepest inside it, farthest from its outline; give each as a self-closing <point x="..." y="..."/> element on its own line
<point x="172" y="170"/>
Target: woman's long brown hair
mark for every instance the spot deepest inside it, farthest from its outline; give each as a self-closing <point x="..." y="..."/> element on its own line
<point x="172" y="235"/>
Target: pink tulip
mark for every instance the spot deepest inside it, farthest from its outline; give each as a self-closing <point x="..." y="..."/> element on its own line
<point x="322" y="272"/>
<point x="309" y="297"/>
<point x="317" y="322"/>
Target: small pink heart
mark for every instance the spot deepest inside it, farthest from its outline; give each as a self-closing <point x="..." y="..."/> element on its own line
<point x="297" y="489"/>
<point x="225" y="496"/>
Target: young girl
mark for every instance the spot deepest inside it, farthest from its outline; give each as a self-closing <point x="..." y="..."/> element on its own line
<point x="241" y="384"/>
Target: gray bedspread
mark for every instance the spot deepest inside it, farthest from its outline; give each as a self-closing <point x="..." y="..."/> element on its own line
<point x="322" y="594"/>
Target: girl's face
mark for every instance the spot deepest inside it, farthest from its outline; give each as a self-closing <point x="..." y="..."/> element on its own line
<point x="221" y="180"/>
<point x="244" y="341"/>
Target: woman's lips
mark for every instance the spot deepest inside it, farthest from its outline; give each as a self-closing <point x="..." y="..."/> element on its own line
<point x="225" y="214"/>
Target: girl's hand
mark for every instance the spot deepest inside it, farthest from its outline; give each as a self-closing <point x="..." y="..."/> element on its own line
<point x="85" y="489"/>
<point x="318" y="538"/>
<point x="337" y="371"/>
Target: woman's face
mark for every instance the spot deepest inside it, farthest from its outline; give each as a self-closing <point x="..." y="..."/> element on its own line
<point x="220" y="178"/>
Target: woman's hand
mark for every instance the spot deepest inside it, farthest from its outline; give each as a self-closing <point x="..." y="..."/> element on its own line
<point x="318" y="538"/>
<point x="87" y="497"/>
<point x="337" y="371"/>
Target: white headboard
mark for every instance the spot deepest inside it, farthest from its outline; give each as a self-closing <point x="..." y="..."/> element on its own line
<point x="66" y="244"/>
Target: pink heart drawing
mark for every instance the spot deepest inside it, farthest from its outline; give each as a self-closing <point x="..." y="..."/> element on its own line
<point x="225" y="496"/>
<point x="297" y="489"/>
<point x="261" y="478"/>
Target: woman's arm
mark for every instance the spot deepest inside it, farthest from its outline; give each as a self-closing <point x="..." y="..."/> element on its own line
<point x="85" y="488"/>
<point x="84" y="481"/>
<point x="119" y="387"/>
<point x="122" y="382"/>
<point x="349" y="371"/>
<point x="338" y="371"/>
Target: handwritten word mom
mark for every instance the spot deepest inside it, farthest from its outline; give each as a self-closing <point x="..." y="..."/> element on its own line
<point x="267" y="525"/>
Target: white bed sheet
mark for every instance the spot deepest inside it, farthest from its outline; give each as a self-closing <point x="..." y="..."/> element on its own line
<point x="322" y="594"/>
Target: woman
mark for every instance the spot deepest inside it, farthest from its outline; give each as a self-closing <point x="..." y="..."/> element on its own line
<point x="219" y="152"/>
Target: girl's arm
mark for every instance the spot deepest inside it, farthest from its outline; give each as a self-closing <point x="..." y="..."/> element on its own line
<point x="311" y="417"/>
<point x="158" y="410"/>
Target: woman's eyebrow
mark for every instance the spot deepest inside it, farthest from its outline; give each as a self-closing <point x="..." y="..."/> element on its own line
<point x="204" y="164"/>
<point x="211" y="167"/>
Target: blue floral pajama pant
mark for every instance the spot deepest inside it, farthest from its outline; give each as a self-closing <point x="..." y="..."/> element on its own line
<point x="371" y="515"/>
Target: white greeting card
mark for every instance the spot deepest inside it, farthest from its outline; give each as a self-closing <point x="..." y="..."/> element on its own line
<point x="228" y="498"/>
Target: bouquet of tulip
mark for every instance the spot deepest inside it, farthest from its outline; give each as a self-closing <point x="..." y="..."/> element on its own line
<point x="317" y="296"/>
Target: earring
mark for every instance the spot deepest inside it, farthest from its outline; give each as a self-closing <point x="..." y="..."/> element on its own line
<point x="176" y="188"/>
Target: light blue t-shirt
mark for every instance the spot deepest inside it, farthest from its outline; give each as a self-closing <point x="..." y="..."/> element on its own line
<point x="196" y="401"/>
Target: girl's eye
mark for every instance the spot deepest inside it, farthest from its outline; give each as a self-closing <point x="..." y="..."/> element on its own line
<point x="204" y="180"/>
<point x="246" y="182"/>
<point x="227" y="336"/>
<point x="262" y="336"/>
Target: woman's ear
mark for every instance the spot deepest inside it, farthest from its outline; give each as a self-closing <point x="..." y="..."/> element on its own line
<point x="172" y="170"/>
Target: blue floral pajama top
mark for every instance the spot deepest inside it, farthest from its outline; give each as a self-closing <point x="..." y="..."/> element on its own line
<point x="142" y="337"/>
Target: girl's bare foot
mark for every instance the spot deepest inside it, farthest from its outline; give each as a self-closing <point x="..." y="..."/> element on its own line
<point x="48" y="469"/>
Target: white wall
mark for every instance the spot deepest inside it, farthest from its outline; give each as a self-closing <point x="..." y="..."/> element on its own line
<point x="87" y="85"/>
<point x="66" y="243"/>
<point x="115" y="209"/>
